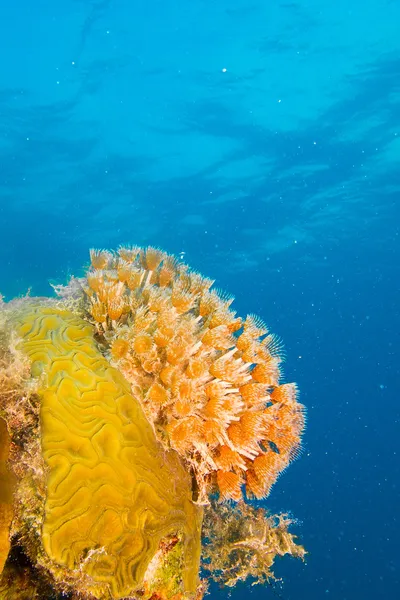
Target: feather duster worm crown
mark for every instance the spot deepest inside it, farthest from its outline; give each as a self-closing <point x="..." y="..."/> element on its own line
<point x="208" y="381"/>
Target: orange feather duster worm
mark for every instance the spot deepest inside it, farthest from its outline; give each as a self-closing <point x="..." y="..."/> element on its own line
<point x="208" y="381"/>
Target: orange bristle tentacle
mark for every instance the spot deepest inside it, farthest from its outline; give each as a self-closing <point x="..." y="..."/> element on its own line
<point x="254" y="327"/>
<point x="255" y="395"/>
<point x="209" y="303"/>
<point x="274" y="345"/>
<point x="98" y="310"/>
<point x="156" y="300"/>
<point x="119" y="348"/>
<point x="252" y="423"/>
<point x="228" y="459"/>
<point x="115" y="308"/>
<point x="152" y="258"/>
<point x="198" y="284"/>
<point x="224" y="316"/>
<point x="182" y="408"/>
<point x="124" y="271"/>
<point x="129" y="253"/>
<point x="219" y="338"/>
<point x="229" y="485"/>
<point x="167" y="321"/>
<point x="135" y="279"/>
<point x="143" y="319"/>
<point x="267" y="372"/>
<point x="234" y="371"/>
<point x="177" y="351"/>
<point x="183" y="432"/>
<point x="167" y="272"/>
<point x="208" y="380"/>
<point x="242" y="441"/>
<point x="169" y="375"/>
<point x="268" y="466"/>
<point x="285" y="393"/>
<point x="182" y="298"/>
<point x="254" y="488"/>
<point x="224" y="298"/>
<point x="142" y="343"/>
<point x="158" y="395"/>
<point x="214" y="434"/>
<point x="99" y="258"/>
<point x="197" y="368"/>
<point x="95" y="280"/>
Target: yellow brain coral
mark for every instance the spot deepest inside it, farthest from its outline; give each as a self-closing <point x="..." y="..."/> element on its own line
<point x="113" y="496"/>
<point x="126" y="406"/>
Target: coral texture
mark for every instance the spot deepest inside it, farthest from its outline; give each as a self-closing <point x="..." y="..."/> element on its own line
<point x="112" y="494"/>
<point x="243" y="542"/>
<point x="6" y="494"/>
<point x="132" y="405"/>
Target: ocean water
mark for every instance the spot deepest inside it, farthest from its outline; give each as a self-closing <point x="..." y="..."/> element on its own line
<point x="260" y="141"/>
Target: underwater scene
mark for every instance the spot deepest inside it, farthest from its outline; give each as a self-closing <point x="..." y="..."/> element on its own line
<point x="199" y="300"/>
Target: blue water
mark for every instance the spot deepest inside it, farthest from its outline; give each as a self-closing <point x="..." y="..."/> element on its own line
<point x="261" y="140"/>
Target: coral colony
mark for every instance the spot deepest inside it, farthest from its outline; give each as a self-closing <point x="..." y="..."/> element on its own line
<point x="139" y="420"/>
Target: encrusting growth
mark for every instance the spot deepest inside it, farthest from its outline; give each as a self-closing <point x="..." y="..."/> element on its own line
<point x="6" y="492"/>
<point x="138" y="417"/>
<point x="208" y="380"/>
<point x="242" y="542"/>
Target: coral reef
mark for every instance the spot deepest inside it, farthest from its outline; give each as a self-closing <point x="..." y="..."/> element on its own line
<point x="131" y="406"/>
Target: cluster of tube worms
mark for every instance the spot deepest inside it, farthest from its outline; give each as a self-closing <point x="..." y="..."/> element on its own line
<point x="208" y="381"/>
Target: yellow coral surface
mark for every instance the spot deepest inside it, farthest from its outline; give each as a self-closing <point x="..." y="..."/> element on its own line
<point x="113" y="495"/>
<point x="6" y="488"/>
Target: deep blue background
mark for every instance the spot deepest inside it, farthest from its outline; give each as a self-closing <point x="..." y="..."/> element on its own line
<point x="262" y="140"/>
